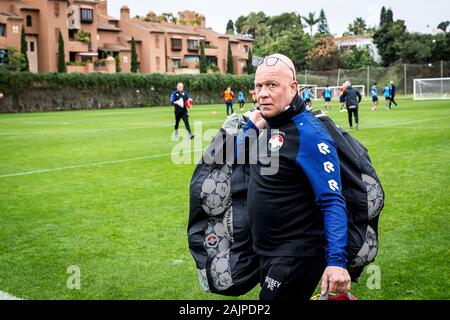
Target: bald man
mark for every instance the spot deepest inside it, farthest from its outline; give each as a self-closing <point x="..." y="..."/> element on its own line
<point x="178" y="99"/>
<point x="297" y="214"/>
<point x="352" y="99"/>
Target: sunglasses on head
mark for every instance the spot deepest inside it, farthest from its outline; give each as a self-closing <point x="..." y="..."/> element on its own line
<point x="271" y="61"/>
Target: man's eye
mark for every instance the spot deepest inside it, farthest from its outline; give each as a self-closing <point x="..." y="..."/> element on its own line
<point x="272" y="85"/>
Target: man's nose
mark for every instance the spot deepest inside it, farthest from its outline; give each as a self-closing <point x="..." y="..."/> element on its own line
<point x="264" y="93"/>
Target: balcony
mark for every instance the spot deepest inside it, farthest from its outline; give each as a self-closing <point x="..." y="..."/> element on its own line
<point x="211" y="52"/>
<point x="78" y="46"/>
<point x="187" y="67"/>
<point x="80" y="68"/>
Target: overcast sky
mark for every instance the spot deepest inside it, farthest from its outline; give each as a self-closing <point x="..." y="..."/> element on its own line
<point x="421" y="16"/>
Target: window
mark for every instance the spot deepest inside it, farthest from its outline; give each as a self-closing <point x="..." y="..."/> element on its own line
<point x="2" y="30"/>
<point x="211" y="60"/>
<point x="176" y="63"/>
<point x="192" y="44"/>
<point x="157" y="42"/>
<point x="86" y="15"/>
<point x="15" y="29"/>
<point x="177" y="44"/>
<point x="56" y="8"/>
<point x="158" y="63"/>
<point x="191" y="58"/>
<point x="72" y="56"/>
<point x="72" y="34"/>
<point x="29" y="21"/>
<point x="31" y="46"/>
<point x="125" y="59"/>
<point x="245" y="48"/>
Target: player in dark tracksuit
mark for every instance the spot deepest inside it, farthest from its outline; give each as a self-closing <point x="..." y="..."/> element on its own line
<point x="392" y="89"/>
<point x="180" y="96"/>
<point x="297" y="211"/>
<point x="352" y="99"/>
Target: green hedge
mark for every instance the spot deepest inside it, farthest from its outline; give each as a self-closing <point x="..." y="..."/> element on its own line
<point x="19" y="82"/>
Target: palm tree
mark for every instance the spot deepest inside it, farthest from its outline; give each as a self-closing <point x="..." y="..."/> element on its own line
<point x="311" y="21"/>
<point x="255" y="24"/>
<point x="358" y="27"/>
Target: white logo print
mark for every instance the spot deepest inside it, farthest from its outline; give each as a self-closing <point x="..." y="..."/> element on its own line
<point x="272" y="284"/>
<point x="333" y="185"/>
<point x="276" y="142"/>
<point x="323" y="148"/>
<point x="328" y="167"/>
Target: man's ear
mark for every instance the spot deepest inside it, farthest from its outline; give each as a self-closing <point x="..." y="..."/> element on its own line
<point x="294" y="88"/>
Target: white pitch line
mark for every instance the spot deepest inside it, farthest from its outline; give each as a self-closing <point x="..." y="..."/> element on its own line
<point x="89" y="164"/>
<point x="93" y="130"/>
<point x="7" y="296"/>
<point x="407" y="122"/>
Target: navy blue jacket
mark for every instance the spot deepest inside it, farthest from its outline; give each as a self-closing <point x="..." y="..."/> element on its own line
<point x="392" y="90"/>
<point x="175" y="96"/>
<point x="352" y="97"/>
<point x="299" y="210"/>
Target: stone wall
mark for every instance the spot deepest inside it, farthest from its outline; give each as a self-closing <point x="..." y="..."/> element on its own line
<point x="39" y="100"/>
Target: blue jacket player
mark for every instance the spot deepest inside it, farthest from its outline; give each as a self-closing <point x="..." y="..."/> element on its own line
<point x="326" y="94"/>
<point x="179" y="100"/>
<point x="387" y="96"/>
<point x="374" y="94"/>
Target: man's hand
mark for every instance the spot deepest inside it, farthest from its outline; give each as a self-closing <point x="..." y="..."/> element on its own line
<point x="335" y="279"/>
<point x="258" y="120"/>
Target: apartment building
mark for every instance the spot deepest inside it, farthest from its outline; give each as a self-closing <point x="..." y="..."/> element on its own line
<point x="347" y="43"/>
<point x="91" y="35"/>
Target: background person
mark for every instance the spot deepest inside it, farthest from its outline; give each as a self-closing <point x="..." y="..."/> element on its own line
<point x="374" y="94"/>
<point x="392" y="91"/>
<point x="387" y="97"/>
<point x="241" y="100"/>
<point x="178" y="99"/>
<point x="352" y="99"/>
<point x="326" y="94"/>
<point x="228" y="96"/>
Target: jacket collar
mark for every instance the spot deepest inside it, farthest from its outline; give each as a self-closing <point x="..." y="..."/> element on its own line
<point x="296" y="107"/>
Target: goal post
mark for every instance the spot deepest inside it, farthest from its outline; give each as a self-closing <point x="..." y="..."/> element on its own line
<point x="432" y="89"/>
<point x="336" y="89"/>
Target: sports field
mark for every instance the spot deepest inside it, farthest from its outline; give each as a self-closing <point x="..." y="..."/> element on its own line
<point x="99" y="190"/>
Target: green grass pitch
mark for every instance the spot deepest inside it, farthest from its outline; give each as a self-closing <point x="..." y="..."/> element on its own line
<point x="98" y="189"/>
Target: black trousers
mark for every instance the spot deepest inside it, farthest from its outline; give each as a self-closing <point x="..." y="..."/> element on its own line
<point x="290" y="279"/>
<point x="392" y="101"/>
<point x="185" y="117"/>
<point x="352" y="112"/>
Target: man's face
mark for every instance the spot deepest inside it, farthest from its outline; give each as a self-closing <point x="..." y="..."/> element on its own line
<point x="180" y="87"/>
<point x="275" y="88"/>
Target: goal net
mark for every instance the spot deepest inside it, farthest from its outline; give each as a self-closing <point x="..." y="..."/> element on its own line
<point x="335" y="91"/>
<point x="430" y="89"/>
